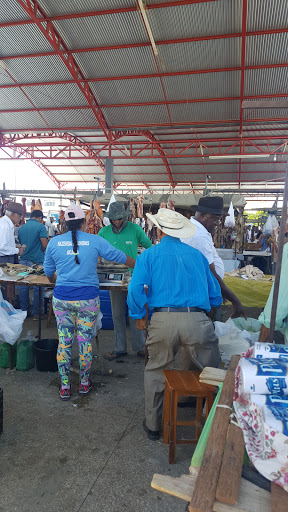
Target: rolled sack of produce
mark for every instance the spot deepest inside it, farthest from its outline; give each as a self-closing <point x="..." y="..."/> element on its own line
<point x="264" y="376"/>
<point x="271" y="351"/>
<point x="275" y="411"/>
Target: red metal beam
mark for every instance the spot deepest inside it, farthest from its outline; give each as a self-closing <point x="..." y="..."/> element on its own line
<point x="33" y="9"/>
<point x="156" y="143"/>
<point x="104" y="12"/>
<point x="140" y="76"/>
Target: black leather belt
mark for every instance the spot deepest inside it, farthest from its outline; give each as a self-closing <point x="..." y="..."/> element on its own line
<point x="179" y="310"/>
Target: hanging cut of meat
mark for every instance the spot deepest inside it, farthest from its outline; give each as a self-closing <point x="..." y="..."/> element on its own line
<point x="140" y="200"/>
<point x="94" y="218"/>
<point x="171" y="204"/>
<point x="38" y="205"/>
<point x="133" y="209"/>
<point x="32" y="205"/>
<point x="22" y="221"/>
<point x="98" y="209"/>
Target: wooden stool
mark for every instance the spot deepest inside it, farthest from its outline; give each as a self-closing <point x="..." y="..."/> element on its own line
<point x="181" y="383"/>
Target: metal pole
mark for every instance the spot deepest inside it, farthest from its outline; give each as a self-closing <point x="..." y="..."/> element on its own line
<point x="279" y="259"/>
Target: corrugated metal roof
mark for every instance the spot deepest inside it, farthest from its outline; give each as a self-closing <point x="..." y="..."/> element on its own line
<point x="212" y="111"/>
<point x="19" y="39"/>
<point x="13" y="99"/>
<point x="128" y="91"/>
<point x="132" y="61"/>
<point x="266" y="49"/>
<point x="213" y="85"/>
<point x="136" y="115"/>
<point x="196" y="19"/>
<point x="266" y="14"/>
<point x="14" y="13"/>
<point x="21" y="120"/>
<point x="71" y="6"/>
<point x="218" y="53"/>
<point x="60" y="118"/>
<point x="55" y="96"/>
<point x="102" y="30"/>
<point x="38" y="69"/>
<point x="266" y="81"/>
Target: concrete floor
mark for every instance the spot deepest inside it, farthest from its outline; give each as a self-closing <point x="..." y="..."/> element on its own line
<point x="88" y="454"/>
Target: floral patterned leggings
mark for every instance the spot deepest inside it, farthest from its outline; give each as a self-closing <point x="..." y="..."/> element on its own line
<point x="74" y="315"/>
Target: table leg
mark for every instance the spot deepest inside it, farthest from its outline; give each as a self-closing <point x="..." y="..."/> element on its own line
<point x="39" y="317"/>
<point x="10" y="297"/>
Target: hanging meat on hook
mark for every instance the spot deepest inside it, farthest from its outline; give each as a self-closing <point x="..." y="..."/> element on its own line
<point x="22" y="220"/>
<point x="38" y="205"/>
<point x="32" y="205"/>
<point x="171" y="204"/>
<point x="140" y="201"/>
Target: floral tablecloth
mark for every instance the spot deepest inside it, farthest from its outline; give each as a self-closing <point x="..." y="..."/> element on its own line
<point x="267" y="449"/>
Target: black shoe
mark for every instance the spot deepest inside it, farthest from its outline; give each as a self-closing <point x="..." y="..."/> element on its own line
<point x="153" y="435"/>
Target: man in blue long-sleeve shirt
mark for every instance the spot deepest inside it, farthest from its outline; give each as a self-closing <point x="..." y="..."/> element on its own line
<point x="181" y="289"/>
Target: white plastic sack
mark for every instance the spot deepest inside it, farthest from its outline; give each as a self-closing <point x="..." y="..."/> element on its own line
<point x="231" y="341"/>
<point x="106" y="221"/>
<point x="230" y="219"/>
<point x="268" y="226"/>
<point x="11" y="321"/>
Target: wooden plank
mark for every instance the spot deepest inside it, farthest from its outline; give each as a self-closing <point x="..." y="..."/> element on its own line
<point x="279" y="499"/>
<point x="231" y="468"/>
<point x="264" y="104"/>
<point x="251" y="497"/>
<point x="205" y="489"/>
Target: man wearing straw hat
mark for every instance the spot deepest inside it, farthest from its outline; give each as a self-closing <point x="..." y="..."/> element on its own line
<point x="181" y="289"/>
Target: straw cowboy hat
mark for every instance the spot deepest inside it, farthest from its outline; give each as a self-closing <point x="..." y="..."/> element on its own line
<point x="172" y="223"/>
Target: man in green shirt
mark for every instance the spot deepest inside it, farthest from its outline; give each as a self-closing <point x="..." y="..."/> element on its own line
<point x="125" y="236"/>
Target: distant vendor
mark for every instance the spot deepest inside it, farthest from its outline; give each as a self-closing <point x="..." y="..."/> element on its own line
<point x="125" y="236"/>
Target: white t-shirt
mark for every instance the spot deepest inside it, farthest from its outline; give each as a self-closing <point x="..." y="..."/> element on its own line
<point x="202" y="240"/>
<point x="7" y="239"/>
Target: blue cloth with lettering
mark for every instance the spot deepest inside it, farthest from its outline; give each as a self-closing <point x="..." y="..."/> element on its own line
<point x="60" y="256"/>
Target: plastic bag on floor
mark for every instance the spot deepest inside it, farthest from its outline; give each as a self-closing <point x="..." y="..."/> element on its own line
<point x="11" y="321"/>
<point x="250" y="325"/>
<point x="231" y="341"/>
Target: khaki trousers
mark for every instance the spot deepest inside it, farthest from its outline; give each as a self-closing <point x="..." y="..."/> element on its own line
<point x="167" y="332"/>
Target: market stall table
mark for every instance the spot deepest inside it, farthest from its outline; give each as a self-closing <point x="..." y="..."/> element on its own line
<point x="262" y="254"/>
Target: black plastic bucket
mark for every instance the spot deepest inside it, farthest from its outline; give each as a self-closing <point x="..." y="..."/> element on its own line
<point x="45" y="354"/>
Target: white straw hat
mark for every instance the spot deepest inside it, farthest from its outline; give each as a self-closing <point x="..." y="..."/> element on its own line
<point x="172" y="223"/>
